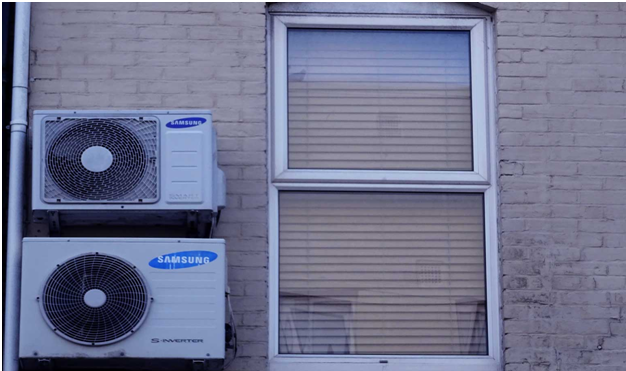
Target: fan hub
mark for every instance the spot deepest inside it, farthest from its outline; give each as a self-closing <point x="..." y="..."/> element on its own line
<point x="95" y="298"/>
<point x="96" y="159"/>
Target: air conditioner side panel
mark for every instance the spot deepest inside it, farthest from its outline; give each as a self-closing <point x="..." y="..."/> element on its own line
<point x="186" y="318"/>
<point x="184" y="167"/>
<point x="36" y="179"/>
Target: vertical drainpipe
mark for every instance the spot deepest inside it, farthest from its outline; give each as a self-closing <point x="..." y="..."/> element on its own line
<point x="19" y="114"/>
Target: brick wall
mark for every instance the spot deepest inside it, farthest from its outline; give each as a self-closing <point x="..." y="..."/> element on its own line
<point x="562" y="150"/>
<point x="562" y="146"/>
<point x="176" y="55"/>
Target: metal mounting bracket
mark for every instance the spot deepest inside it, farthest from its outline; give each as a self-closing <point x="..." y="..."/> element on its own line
<point x="198" y="365"/>
<point x="44" y="364"/>
<point x="196" y="227"/>
<point x="54" y="223"/>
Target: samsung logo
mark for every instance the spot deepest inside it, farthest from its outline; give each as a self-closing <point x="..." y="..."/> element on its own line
<point x="186" y="122"/>
<point x="183" y="259"/>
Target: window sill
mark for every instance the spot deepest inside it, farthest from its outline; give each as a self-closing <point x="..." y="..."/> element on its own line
<point x="353" y="363"/>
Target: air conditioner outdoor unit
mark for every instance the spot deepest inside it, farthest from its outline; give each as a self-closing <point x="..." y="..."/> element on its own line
<point x="89" y="164"/>
<point x="133" y="303"/>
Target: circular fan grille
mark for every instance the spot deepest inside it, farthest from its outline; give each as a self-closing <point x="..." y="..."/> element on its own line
<point x="128" y="174"/>
<point x="95" y="299"/>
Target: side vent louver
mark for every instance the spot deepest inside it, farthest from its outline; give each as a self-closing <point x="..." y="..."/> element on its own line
<point x="101" y="160"/>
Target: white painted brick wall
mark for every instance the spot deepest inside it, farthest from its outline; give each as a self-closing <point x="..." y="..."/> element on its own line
<point x="176" y="55"/>
<point x="562" y="138"/>
<point x="562" y="150"/>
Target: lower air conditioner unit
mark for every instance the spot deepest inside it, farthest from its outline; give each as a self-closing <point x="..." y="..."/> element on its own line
<point x="132" y="303"/>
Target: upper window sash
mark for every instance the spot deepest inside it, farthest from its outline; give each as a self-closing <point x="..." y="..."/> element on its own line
<point x="281" y="172"/>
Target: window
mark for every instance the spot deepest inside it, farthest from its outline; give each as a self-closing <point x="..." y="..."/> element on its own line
<point x="382" y="207"/>
<point x="379" y="99"/>
<point x="381" y="273"/>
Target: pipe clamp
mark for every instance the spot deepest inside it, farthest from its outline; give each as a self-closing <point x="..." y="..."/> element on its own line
<point x="18" y="125"/>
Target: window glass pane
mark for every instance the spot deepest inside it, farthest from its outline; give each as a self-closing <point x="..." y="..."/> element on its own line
<point x="382" y="273"/>
<point x="379" y="100"/>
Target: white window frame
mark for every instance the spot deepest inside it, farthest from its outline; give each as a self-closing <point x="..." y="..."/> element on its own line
<point x="477" y="27"/>
<point x="481" y="180"/>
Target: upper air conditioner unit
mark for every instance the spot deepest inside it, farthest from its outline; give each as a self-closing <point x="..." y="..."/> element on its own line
<point x="128" y="303"/>
<point x="149" y="161"/>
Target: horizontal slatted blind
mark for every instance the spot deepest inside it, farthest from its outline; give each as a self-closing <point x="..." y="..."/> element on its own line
<point x="381" y="273"/>
<point x="373" y="99"/>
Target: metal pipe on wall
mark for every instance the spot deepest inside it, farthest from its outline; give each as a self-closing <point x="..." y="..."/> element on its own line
<point x="15" y="226"/>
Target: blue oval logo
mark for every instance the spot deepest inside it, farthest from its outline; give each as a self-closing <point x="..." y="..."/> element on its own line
<point x="186" y="122"/>
<point x="183" y="259"/>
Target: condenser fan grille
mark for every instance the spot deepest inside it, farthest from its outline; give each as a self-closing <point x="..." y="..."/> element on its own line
<point x="95" y="299"/>
<point x="101" y="160"/>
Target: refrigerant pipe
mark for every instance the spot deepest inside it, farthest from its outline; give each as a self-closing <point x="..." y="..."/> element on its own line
<point x="19" y="114"/>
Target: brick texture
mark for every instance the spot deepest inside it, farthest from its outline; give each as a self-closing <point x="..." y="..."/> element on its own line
<point x="562" y="148"/>
<point x="176" y="55"/>
<point x="561" y="75"/>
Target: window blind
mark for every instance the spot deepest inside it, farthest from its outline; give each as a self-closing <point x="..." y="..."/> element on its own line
<point x="379" y="100"/>
<point x="381" y="273"/>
